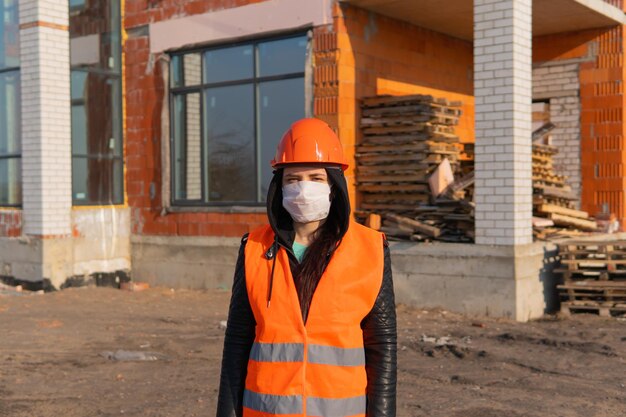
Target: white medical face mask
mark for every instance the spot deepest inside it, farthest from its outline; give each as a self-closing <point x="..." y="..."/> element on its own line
<point x="307" y="201"/>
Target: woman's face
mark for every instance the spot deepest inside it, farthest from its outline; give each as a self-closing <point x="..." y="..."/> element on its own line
<point x="294" y="174"/>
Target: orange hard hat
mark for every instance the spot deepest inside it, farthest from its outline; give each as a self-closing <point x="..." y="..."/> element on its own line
<point x="309" y="141"/>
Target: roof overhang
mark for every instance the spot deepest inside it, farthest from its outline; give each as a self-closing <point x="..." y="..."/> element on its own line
<point x="455" y="18"/>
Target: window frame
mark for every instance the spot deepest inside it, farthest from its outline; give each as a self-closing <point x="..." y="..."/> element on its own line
<point x="175" y="204"/>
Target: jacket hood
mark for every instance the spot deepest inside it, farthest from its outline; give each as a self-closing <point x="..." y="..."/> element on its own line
<point x="280" y="220"/>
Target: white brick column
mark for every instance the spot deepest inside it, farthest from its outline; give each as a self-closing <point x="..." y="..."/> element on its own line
<point x="46" y="137"/>
<point x="503" y="88"/>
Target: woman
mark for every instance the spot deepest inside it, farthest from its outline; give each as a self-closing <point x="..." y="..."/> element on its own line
<point x="312" y="327"/>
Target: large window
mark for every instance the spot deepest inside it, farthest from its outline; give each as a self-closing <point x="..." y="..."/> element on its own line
<point x="96" y="92"/>
<point x="10" y="120"/>
<point x="229" y="107"/>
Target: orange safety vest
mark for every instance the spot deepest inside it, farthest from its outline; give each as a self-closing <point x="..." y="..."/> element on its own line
<point x="317" y="369"/>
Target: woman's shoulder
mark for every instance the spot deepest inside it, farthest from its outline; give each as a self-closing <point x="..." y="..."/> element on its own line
<point x="366" y="232"/>
<point x="260" y="234"/>
<point x="367" y="235"/>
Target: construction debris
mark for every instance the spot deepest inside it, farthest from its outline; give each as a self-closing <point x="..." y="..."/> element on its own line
<point x="594" y="277"/>
<point x="406" y="165"/>
<point x="553" y="199"/>
<point x="414" y="172"/>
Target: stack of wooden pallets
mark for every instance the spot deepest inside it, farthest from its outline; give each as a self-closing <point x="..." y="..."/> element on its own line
<point x="405" y="139"/>
<point x="552" y="198"/>
<point x="594" y="277"/>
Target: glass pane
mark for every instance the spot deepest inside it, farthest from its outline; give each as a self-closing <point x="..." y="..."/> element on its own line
<point x="176" y="71"/>
<point x="193" y="69"/>
<point x="187" y="147"/>
<point x="79" y="180"/>
<point x="193" y="151"/>
<point x="77" y="4"/>
<point x="178" y="155"/>
<point x="97" y="181"/>
<point x="283" y="56"/>
<point x="10" y="182"/>
<point x="78" y="81"/>
<point x="9" y="34"/>
<point x="97" y="131"/>
<point x="228" y="64"/>
<point x="79" y="130"/>
<point x="95" y="34"/>
<point x="280" y="104"/>
<point x="229" y="139"/>
<point x="10" y="121"/>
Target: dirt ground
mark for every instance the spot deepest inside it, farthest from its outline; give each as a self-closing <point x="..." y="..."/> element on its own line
<point x="57" y="358"/>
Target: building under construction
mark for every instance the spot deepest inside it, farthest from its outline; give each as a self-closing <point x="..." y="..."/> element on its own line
<point x="136" y="135"/>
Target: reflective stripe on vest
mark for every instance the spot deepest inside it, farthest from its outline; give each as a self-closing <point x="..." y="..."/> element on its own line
<point x="273" y="404"/>
<point x="320" y="354"/>
<point x="331" y="407"/>
<point x="315" y="406"/>
<point x="315" y="369"/>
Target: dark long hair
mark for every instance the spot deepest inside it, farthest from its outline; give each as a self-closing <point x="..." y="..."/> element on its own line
<point x="325" y="240"/>
<point x="316" y="258"/>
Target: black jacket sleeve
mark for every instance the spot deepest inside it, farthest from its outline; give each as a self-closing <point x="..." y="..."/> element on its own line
<point x="380" y="340"/>
<point x="240" y="332"/>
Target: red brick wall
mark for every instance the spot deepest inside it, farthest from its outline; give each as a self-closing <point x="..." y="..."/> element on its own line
<point x="144" y="94"/>
<point x="142" y="12"/>
<point x="10" y="223"/>
<point x="364" y="54"/>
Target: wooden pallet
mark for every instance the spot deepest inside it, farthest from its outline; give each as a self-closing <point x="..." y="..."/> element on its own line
<point x="405" y="138"/>
<point x="581" y="274"/>
<point x="583" y="224"/>
<point x="391" y="188"/>
<point x="409" y="129"/>
<point x="568" y="307"/>
<point x="409" y="138"/>
<point x="410" y="109"/>
<point x="593" y="246"/>
<point x="408" y="169"/>
<point x="609" y="265"/>
<point x="610" y="292"/>
<point x="602" y="296"/>
<point x="402" y="198"/>
<point x="364" y="178"/>
<point x="373" y="159"/>
<point x="389" y="101"/>
<point x="409" y="120"/>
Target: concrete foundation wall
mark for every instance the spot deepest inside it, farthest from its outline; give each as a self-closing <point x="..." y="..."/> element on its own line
<point x="21" y="258"/>
<point x="99" y="244"/>
<point x="185" y="262"/>
<point x="476" y="279"/>
<point x="470" y="279"/>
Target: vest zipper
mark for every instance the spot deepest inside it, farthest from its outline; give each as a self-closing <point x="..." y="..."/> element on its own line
<point x="272" y="253"/>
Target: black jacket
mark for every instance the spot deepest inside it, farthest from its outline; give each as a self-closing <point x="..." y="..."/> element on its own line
<point x="379" y="326"/>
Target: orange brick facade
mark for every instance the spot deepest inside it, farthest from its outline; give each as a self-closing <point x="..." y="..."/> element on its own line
<point x="602" y="76"/>
<point x="352" y="59"/>
<point x="381" y="55"/>
<point x="363" y="54"/>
